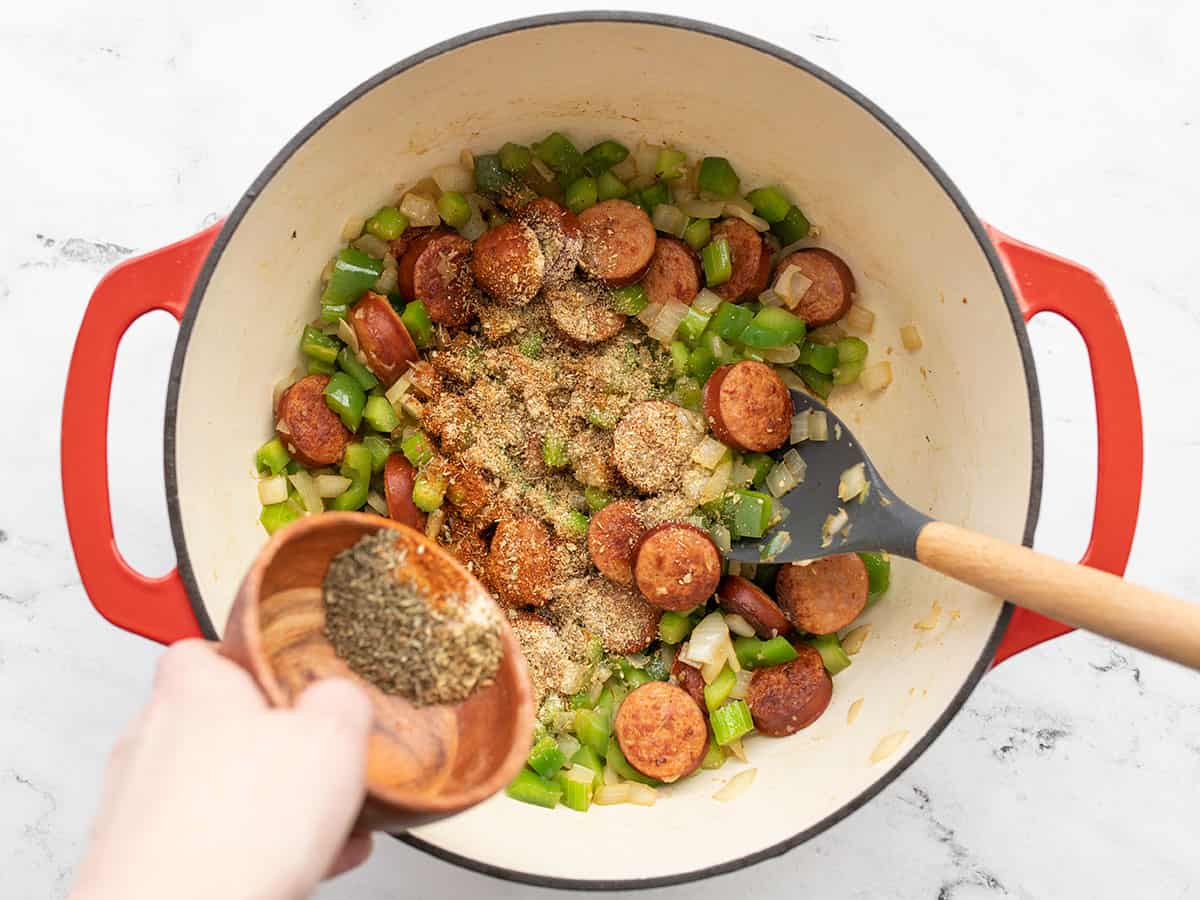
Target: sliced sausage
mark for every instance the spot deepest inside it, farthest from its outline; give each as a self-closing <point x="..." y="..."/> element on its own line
<point x="832" y="291"/>
<point x="384" y="341"/>
<point x="311" y="431"/>
<point x="825" y="595"/>
<point x="751" y="261"/>
<point x="738" y="595"/>
<point x="612" y="535"/>
<point x="785" y="698"/>
<point x="399" y="246"/>
<point x="508" y="263"/>
<point x="451" y="421"/>
<point x="398" y="478"/>
<point x="661" y="732"/>
<point x="470" y="492"/>
<point x="653" y="443"/>
<point x="559" y="235"/>
<point x="618" y="242"/>
<point x="583" y="313"/>
<point x="676" y="566"/>
<point x="674" y="273"/>
<point x="463" y="540"/>
<point x="436" y="269"/>
<point x="748" y="407"/>
<point x="519" y="562"/>
<point x="689" y="678"/>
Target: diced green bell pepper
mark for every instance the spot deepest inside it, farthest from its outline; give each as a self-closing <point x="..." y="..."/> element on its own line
<point x="751" y="512"/>
<point x="317" y="345"/>
<point x="597" y="498"/>
<point x="731" y="320"/>
<point x="630" y="300"/>
<point x="380" y="415"/>
<point x="529" y="787"/>
<point x="420" y="327"/>
<point x="717" y="262"/>
<point x="593" y="729"/>
<point x="773" y="326"/>
<point x="557" y="151"/>
<point x="320" y="367"/>
<point x="731" y="722"/>
<point x="345" y="396"/>
<point x="879" y="573"/>
<point x="761" y="464"/>
<point x="354" y="273"/>
<point x="491" y="178"/>
<point x="428" y="492"/>
<point x="822" y="357"/>
<point x="753" y="653"/>
<point x="546" y="758"/>
<point x="835" y="658"/>
<point x="770" y="203"/>
<point x="792" y="227"/>
<point x="356" y="465"/>
<point x="603" y="156"/>
<point x="847" y="373"/>
<point x="416" y="448"/>
<point x="654" y="194"/>
<point x="718" y="691"/>
<point x="670" y="163"/>
<point x="581" y="193"/>
<point x="271" y="457"/>
<point x="698" y="233"/>
<point x="514" y="158"/>
<point x="380" y="449"/>
<point x="702" y="362"/>
<point x="387" y="224"/>
<point x="609" y="186"/>
<point x="673" y="627"/>
<point x="602" y="419"/>
<point x="554" y="450"/>
<point x="275" y="515"/>
<point x="717" y="177"/>
<point x="687" y="392"/>
<point x="820" y="383"/>
<point x="350" y="364"/>
<point x="656" y="668"/>
<point x="621" y="766"/>
<point x="454" y="209"/>
<point x="631" y="674"/>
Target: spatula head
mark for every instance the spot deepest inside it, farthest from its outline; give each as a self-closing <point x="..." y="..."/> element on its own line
<point x="876" y="520"/>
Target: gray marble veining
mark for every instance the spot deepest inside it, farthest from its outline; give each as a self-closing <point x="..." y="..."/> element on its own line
<point x="1071" y="772"/>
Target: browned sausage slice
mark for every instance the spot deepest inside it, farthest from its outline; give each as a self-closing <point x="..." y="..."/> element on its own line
<point x="783" y="699"/>
<point x="832" y="290"/>
<point x="398" y="478"/>
<point x="689" y="678"/>
<point x="519" y="562"/>
<point x="748" y="600"/>
<point x="508" y="263"/>
<point x="653" y="443"/>
<point x="611" y="537"/>
<point x="583" y="313"/>
<point x="436" y="269"/>
<point x="452" y="421"/>
<point x="311" y="431"/>
<point x="384" y="341"/>
<point x="618" y="241"/>
<point x="674" y="273"/>
<point x="751" y="261"/>
<point x="825" y="595"/>
<point x="676" y="566"/>
<point x="748" y="407"/>
<point x="470" y="492"/>
<point x="464" y="541"/>
<point x="661" y="732"/>
<point x="560" y="236"/>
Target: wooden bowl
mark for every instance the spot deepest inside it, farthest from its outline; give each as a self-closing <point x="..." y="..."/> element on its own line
<point x="423" y="763"/>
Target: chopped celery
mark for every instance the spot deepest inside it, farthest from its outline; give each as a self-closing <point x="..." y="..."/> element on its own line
<point x="717" y="177"/>
<point x="577" y="795"/>
<point x="820" y="383"/>
<point x="581" y="193"/>
<point x="416" y="448"/>
<point x="731" y="320"/>
<point x="702" y="362"/>
<point x="531" y="345"/>
<point x="557" y="151"/>
<point x="879" y="573"/>
<point x="529" y="787"/>
<point x="554" y="450"/>
<point x="731" y="722"/>
<point x="718" y="691"/>
<point x="545" y="758"/>
<point x="514" y="158"/>
<point x="454" y="209"/>
<point x="673" y="627"/>
<point x="679" y="358"/>
<point x="654" y="194"/>
<point x="717" y="261"/>
<point x="631" y="674"/>
<point x="714" y="758"/>
<point x="271" y="457"/>
<point x="345" y="396"/>
<point x="621" y="766"/>
<point x="698" y="233"/>
<point x="603" y="156"/>
<point x="693" y="325"/>
<point x="792" y="227"/>
<point x="316" y="344"/>
<point x="670" y="163"/>
<point x="356" y="465"/>
<point x="593" y="729"/>
<point x="609" y="186"/>
<point x="687" y="392"/>
<point x="753" y="653"/>
<point x="835" y="658"/>
<point x="847" y="373"/>
<point x="352" y="366"/>
<point x="631" y="300"/>
<point x="380" y="415"/>
<point x="770" y="203"/>
<point x="276" y="515"/>
<point x="773" y="326"/>
<point x="851" y="349"/>
<point x="822" y="357"/>
<point x="588" y="758"/>
<point x="602" y="419"/>
<point x="387" y="224"/>
<point x="428" y="492"/>
<point x="420" y="327"/>
<point x="597" y="498"/>
<point x="380" y="449"/>
<point x="320" y="367"/>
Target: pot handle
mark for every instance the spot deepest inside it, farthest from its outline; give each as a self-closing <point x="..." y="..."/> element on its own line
<point x="157" y="608"/>
<point x="1048" y="283"/>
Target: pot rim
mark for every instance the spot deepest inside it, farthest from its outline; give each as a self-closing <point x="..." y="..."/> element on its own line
<point x="718" y="32"/>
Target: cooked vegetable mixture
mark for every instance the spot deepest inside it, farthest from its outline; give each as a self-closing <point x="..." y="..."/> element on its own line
<point x="570" y="368"/>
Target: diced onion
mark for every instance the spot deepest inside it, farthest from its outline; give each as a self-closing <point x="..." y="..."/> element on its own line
<point x="669" y="219"/>
<point x="732" y="209"/>
<point x="853" y="711"/>
<point x="888" y="745"/>
<point x="736" y="750"/>
<point x="827" y="334"/>
<point x="722" y="538"/>
<point x="796" y="465"/>
<point x="737" y="786"/>
<point x="931" y="619"/>
<point x="347" y="334"/>
<point x="876" y="377"/>
<point x="709" y="641"/>
<point x="709" y="452"/>
<point x="371" y="245"/>
<point x="860" y="318"/>
<point x="706" y="301"/>
<point x="791" y="380"/>
<point x="641" y="794"/>
<point x="282" y="385"/>
<point x="667" y="321"/>
<point x="741" y="687"/>
<point x="702" y="209"/>
<point x="353" y="228"/>
<point x="612" y="794"/>
<point x="852" y="482"/>
<point x="646" y="156"/>
<point x="386" y="282"/>
<point x="792" y="248"/>
<point x="780" y="480"/>
<point x="376" y="502"/>
<point x="818" y="426"/>
<point x="625" y="169"/>
<point x="434" y="523"/>
<point x="466" y="159"/>
<point x="640" y="181"/>
<point x="781" y="355"/>
<point x="834" y="523"/>
<point x="799" y="428"/>
<point x="327" y="272"/>
<point x="412" y="406"/>
<point x="910" y="336"/>
<point x="422" y="212"/>
<point x="741" y="475"/>
<point x="307" y="491"/>
<point x="792" y="284"/>
<point x="738" y="625"/>
<point x="329" y="486"/>
<point x="399" y="389"/>
<point x="476" y="225"/>
<point x="855" y="638"/>
<point x="577" y="773"/>
<point x="717" y="483"/>
<point x="282" y="427"/>
<point x="649" y="313"/>
<point x="272" y="490"/>
<point x="770" y="298"/>
<point x="694" y="480"/>
<point x="454" y="178"/>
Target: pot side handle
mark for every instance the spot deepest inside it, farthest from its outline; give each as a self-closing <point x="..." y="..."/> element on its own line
<point x="1048" y="283"/>
<point x="156" y="608"/>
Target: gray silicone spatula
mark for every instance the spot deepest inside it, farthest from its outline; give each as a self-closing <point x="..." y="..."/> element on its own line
<point x="1086" y="598"/>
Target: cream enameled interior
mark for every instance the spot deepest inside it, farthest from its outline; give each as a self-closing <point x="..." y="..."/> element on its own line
<point x="952" y="434"/>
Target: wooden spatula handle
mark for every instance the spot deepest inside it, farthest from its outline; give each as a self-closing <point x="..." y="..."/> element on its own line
<point x="1086" y="598"/>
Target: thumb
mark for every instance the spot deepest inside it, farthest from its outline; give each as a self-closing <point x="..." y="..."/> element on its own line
<point x="340" y="703"/>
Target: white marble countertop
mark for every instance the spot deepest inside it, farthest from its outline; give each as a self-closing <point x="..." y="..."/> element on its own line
<point x="1071" y="772"/>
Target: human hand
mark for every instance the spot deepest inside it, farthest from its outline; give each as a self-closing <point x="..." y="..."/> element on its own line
<point x="210" y="793"/>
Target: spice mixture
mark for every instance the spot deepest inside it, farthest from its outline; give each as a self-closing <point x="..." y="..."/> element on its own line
<point x="429" y="650"/>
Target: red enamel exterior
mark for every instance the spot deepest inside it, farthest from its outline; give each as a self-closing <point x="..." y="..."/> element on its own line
<point x="1047" y="283"/>
<point x="156" y="608"/>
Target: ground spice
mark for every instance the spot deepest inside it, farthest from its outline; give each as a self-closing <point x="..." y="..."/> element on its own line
<point x="397" y="638"/>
